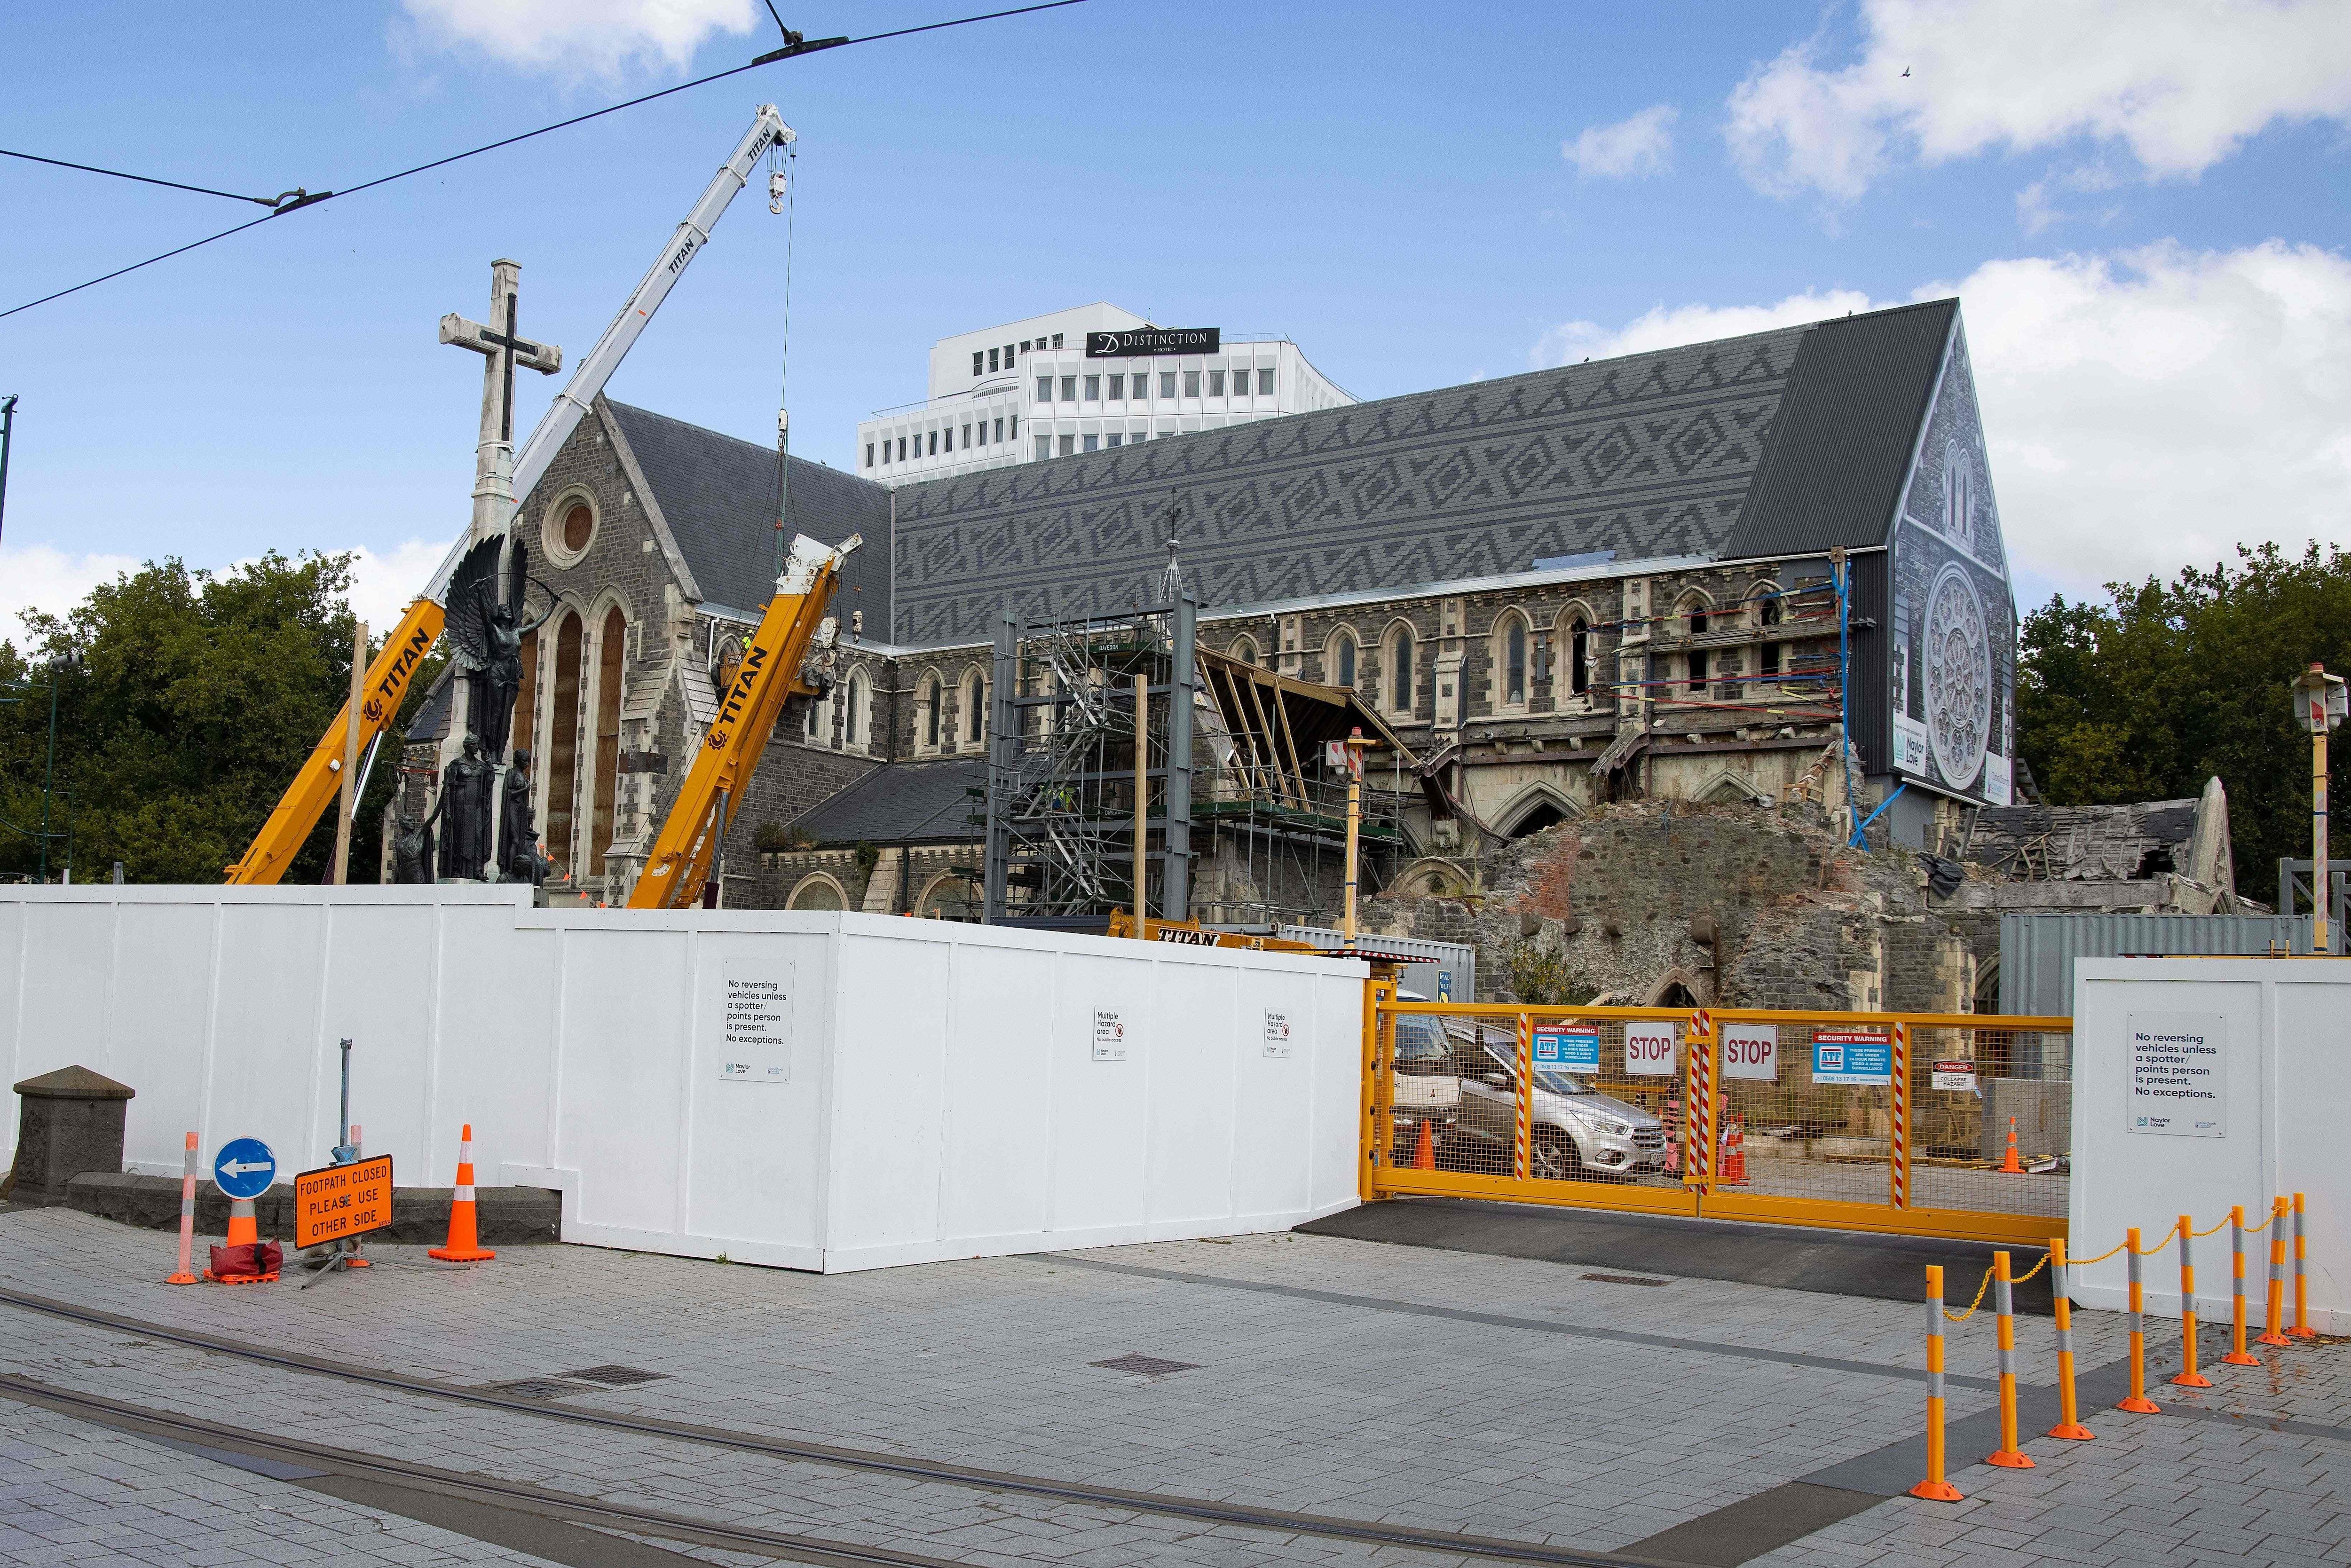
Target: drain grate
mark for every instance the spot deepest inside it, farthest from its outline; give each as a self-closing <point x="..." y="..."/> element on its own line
<point x="617" y="1376"/>
<point x="539" y="1388"/>
<point x="1622" y="1279"/>
<point x="1149" y="1365"/>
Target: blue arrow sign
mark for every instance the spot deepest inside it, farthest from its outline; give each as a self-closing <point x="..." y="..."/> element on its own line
<point x="244" y="1167"/>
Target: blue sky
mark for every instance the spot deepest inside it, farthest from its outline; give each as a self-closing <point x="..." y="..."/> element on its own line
<point x="2142" y="207"/>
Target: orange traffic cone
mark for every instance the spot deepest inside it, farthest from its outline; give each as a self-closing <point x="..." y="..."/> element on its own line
<point x="2011" y="1166"/>
<point x="1424" y="1152"/>
<point x="1734" y="1157"/>
<point x="246" y="1259"/>
<point x="465" y="1236"/>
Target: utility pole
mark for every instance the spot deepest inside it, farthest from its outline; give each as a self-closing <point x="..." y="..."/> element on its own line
<point x="7" y="439"/>
<point x="350" y="794"/>
<point x="1354" y="744"/>
<point x="2320" y="704"/>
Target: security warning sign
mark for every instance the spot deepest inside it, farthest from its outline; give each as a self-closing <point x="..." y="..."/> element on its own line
<point x="340" y="1202"/>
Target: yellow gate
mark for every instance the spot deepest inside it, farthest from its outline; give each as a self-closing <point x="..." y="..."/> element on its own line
<point x="1924" y="1124"/>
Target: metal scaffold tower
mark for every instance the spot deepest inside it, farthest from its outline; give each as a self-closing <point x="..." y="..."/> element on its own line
<point x="1089" y="749"/>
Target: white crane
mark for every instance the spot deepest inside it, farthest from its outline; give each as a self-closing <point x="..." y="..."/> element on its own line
<point x="563" y="415"/>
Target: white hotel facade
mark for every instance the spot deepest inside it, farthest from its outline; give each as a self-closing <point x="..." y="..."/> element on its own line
<point x="1025" y="391"/>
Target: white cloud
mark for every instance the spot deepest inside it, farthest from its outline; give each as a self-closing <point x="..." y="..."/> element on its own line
<point x="596" y="35"/>
<point x="41" y="576"/>
<point x="2179" y="83"/>
<point x="1634" y="148"/>
<point x="2146" y="408"/>
<point x="1663" y="327"/>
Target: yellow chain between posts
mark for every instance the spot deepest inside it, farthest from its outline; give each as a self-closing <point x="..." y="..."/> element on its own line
<point x="1982" y="1286"/>
<point x="2020" y="1279"/>
<point x="2086" y="1262"/>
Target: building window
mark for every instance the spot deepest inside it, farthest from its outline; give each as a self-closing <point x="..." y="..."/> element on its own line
<point x="1044" y="446"/>
<point x="975" y="361"/>
<point x="1117" y="387"/>
<point x="929" y="718"/>
<point x="1112" y="439"/>
<point x="999" y="427"/>
<point x="967" y="436"/>
<point x="975" y="709"/>
<point x="1191" y="383"/>
<point x="611" y="645"/>
<point x="1044" y="389"/>
<point x="1697" y="669"/>
<point x="1094" y="389"/>
<point x="1400" y="671"/>
<point x="855" y="712"/>
<point x="1024" y="345"/>
<point x="901" y="449"/>
<point x="935" y="443"/>
<point x="992" y="364"/>
<point x="563" y="739"/>
<point x="1168" y="384"/>
<point x="868" y="454"/>
<point x="1069" y="388"/>
<point x="1057" y="340"/>
<point x="1136" y="439"/>
<point x="1766" y="613"/>
<point x="1245" y="649"/>
<point x="1008" y="356"/>
<point x="1216" y="384"/>
<point x="1069" y="444"/>
<point x="1091" y="442"/>
<point x="1510" y="657"/>
<point x="1579" y="656"/>
<point x="1339" y="662"/>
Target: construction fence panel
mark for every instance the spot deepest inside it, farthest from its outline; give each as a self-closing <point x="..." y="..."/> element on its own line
<point x="1861" y="1121"/>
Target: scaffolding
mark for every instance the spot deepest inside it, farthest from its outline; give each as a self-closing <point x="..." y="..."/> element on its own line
<point x="1079" y="768"/>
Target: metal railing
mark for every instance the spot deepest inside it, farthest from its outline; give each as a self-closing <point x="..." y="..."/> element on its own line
<point x="1934" y="1124"/>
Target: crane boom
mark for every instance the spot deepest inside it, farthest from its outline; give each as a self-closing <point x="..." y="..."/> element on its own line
<point x="387" y="681"/>
<point x="774" y="666"/>
<point x="299" y="809"/>
<point x="596" y="367"/>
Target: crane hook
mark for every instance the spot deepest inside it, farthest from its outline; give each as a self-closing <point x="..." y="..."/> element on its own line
<point x="777" y="182"/>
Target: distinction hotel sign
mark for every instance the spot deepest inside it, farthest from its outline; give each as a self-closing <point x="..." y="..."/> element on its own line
<point x="1139" y="340"/>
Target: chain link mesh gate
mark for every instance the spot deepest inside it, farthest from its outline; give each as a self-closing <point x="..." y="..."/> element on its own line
<point x="1891" y="1121"/>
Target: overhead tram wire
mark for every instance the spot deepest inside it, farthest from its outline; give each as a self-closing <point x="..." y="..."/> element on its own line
<point x="308" y="199"/>
<point x="270" y="202"/>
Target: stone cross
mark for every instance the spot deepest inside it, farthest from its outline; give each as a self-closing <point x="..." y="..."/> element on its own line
<point x="494" y="496"/>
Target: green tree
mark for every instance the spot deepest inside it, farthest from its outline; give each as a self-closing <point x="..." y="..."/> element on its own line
<point x="194" y="699"/>
<point x="2170" y="683"/>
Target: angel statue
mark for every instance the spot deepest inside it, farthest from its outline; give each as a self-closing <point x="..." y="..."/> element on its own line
<point x="486" y="633"/>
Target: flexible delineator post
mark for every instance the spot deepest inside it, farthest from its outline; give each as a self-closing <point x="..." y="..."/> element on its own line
<point x="2188" y="1376"/>
<point x="186" y="1276"/>
<point x="2273" y="1334"/>
<point x="1935" y="1488"/>
<point x="2137" y="1401"/>
<point x="2069" y="1422"/>
<point x="2238" y="1355"/>
<point x="2008" y="1455"/>
<point x="2301" y="1329"/>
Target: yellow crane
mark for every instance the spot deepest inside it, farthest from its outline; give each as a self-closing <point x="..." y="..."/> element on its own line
<point x="793" y="639"/>
<point x="388" y="678"/>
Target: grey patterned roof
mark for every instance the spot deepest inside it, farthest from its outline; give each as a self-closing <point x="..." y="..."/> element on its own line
<point x="718" y="494"/>
<point x="1648" y="455"/>
<point x="902" y="802"/>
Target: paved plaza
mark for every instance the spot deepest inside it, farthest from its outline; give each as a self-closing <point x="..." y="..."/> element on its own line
<point x="1323" y="1381"/>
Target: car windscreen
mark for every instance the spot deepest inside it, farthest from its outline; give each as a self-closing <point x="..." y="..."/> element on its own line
<point x="1420" y="1040"/>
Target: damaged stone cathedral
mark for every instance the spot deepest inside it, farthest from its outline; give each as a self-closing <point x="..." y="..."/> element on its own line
<point x="1642" y="642"/>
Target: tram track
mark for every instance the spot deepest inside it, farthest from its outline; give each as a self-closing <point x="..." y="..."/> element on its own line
<point x="1201" y="1510"/>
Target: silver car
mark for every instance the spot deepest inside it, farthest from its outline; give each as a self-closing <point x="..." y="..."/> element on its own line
<point x="1577" y="1133"/>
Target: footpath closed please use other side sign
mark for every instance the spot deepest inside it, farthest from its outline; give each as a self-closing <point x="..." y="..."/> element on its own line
<point x="339" y="1202"/>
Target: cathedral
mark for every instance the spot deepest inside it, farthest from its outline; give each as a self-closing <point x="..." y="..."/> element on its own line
<point x="1755" y="570"/>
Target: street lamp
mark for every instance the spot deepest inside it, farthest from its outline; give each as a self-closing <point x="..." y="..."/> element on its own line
<point x="2319" y="704"/>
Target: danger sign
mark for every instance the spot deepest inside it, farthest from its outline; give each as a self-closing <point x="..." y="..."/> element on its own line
<point x="340" y="1202"/>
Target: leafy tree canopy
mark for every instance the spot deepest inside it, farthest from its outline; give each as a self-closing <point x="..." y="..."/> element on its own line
<point x="189" y="701"/>
<point x="2170" y="683"/>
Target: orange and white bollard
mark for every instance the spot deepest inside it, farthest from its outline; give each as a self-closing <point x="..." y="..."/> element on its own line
<point x="2008" y="1455"/>
<point x="2301" y="1329"/>
<point x="2069" y="1416"/>
<point x="2273" y="1333"/>
<point x="186" y="1276"/>
<point x="464" y="1233"/>
<point x="1934" y="1488"/>
<point x="2238" y="1355"/>
<point x="2135" y="1401"/>
<point x="2188" y="1377"/>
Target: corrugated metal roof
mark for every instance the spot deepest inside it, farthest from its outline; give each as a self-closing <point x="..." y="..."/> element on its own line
<point x="1834" y="459"/>
<point x="718" y="494"/>
<point x="904" y="803"/>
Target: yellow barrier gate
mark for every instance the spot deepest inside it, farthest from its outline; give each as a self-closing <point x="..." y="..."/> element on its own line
<point x="1952" y="1126"/>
